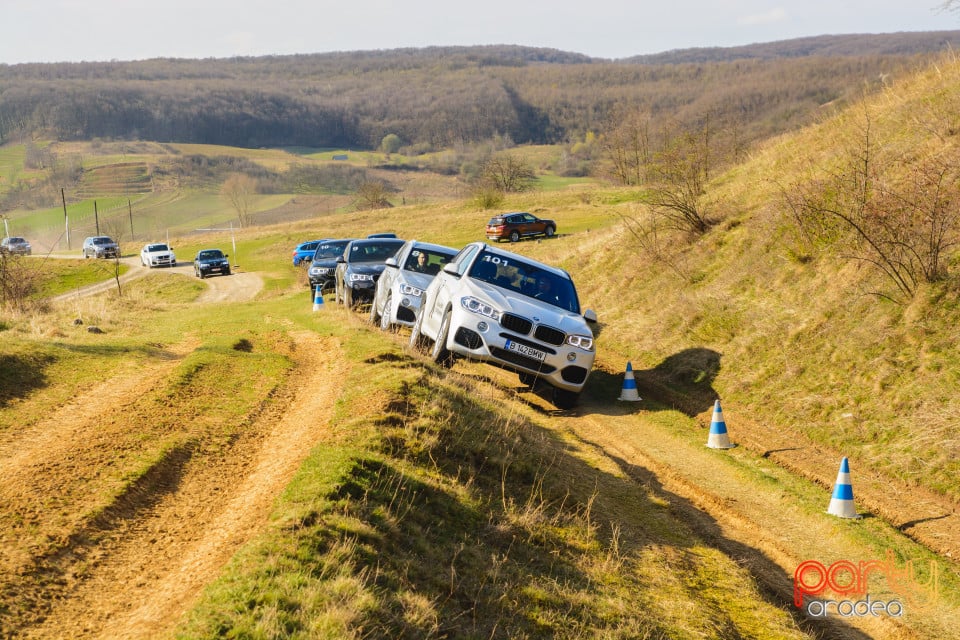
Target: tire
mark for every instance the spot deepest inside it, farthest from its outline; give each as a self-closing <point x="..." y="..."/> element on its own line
<point x="549" y="231"/>
<point x="374" y="316"/>
<point x="385" y="323"/>
<point x="564" y="399"/>
<point x="227" y="272"/>
<point x="514" y="236"/>
<point x="417" y="341"/>
<point x="440" y="354"/>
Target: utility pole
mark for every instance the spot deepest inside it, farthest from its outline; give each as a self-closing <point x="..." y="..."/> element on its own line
<point x="96" y="217"/>
<point x="66" y="220"/>
<point x="130" y="210"/>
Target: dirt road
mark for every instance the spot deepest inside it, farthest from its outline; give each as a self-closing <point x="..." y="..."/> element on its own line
<point x="238" y="286"/>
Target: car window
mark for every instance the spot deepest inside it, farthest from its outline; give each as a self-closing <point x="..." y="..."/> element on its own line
<point x="528" y="218"/>
<point x="462" y="259"/>
<point x="330" y="250"/>
<point x="526" y="279"/>
<point x="372" y="251"/>
<point x="431" y="264"/>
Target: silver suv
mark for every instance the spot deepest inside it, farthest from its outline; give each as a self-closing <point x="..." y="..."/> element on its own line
<point x="15" y="245"/>
<point x="510" y="311"/>
<point x="100" y="247"/>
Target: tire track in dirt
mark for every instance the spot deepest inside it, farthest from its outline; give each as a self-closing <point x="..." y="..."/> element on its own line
<point x="57" y="459"/>
<point x="153" y="567"/>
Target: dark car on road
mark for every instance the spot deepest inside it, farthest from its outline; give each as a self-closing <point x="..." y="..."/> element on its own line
<point x="324" y="263"/>
<point x="15" y="245"/>
<point x="100" y="247"/>
<point x="359" y="268"/>
<point x="516" y="225"/>
<point x="209" y="261"/>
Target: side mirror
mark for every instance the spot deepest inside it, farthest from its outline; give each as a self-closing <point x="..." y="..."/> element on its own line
<point x="590" y="315"/>
<point x="391" y="262"/>
<point x="341" y="259"/>
<point x="451" y="269"/>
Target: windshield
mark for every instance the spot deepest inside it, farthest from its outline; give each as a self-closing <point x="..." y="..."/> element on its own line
<point x="373" y="251"/>
<point x="157" y="247"/>
<point x="211" y="255"/>
<point x="102" y="241"/>
<point x="427" y="261"/>
<point x="526" y="279"/>
<point x="329" y="250"/>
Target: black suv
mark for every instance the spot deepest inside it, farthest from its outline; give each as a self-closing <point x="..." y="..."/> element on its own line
<point x="324" y="263"/>
<point x="359" y="268"/>
<point x="100" y="247"/>
<point x="209" y="261"/>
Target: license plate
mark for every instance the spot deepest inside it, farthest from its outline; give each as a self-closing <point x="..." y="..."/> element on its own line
<point x="523" y="349"/>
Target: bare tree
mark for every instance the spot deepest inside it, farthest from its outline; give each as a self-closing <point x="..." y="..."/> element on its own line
<point x="19" y="280"/>
<point x="372" y="194"/>
<point x="884" y="208"/>
<point x="627" y="146"/>
<point x="507" y="174"/>
<point x="239" y="189"/>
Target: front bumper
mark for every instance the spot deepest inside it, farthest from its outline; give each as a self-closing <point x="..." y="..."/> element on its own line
<point x="163" y="261"/>
<point x="206" y="269"/>
<point x="563" y="366"/>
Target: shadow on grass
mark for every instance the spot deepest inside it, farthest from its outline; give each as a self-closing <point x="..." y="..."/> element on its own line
<point x="21" y="375"/>
<point x="682" y="382"/>
<point x="509" y="561"/>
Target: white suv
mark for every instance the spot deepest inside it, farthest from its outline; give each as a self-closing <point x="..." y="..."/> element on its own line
<point x="158" y="255"/>
<point x="516" y="313"/>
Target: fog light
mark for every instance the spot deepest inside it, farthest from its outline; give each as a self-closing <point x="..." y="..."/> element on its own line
<point x="482" y="326"/>
<point x="405" y="302"/>
<point x="571" y="356"/>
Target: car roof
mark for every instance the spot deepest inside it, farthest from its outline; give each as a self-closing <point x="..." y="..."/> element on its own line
<point x="429" y="246"/>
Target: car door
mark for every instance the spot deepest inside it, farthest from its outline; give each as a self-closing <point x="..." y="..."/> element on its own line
<point x="387" y="278"/>
<point x="531" y="225"/>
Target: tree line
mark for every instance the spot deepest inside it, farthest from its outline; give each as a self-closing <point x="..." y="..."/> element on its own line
<point x="431" y="98"/>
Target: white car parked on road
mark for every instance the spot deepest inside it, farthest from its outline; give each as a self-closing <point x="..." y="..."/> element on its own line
<point x="513" y="312"/>
<point x="396" y="299"/>
<point x="157" y="255"/>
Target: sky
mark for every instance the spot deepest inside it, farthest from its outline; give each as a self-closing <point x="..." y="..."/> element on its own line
<point x="103" y="30"/>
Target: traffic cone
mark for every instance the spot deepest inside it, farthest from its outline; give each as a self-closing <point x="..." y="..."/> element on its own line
<point x="841" y="504"/>
<point x="629" y="391"/>
<point x="318" y="299"/>
<point x="718" y="438"/>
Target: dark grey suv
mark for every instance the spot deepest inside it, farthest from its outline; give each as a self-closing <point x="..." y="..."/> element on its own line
<point x="100" y="247"/>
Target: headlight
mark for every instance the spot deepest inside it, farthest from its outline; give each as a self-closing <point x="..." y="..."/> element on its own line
<point x="408" y="290"/>
<point x="360" y="277"/>
<point x="479" y="306"/>
<point x="583" y="342"/>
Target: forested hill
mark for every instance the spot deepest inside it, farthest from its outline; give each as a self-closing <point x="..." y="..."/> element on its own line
<point x="437" y="97"/>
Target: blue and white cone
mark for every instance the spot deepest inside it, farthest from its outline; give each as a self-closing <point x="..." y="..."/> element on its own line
<point x="318" y="299"/>
<point x="718" y="438"/>
<point x="629" y="390"/>
<point x="841" y="504"/>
